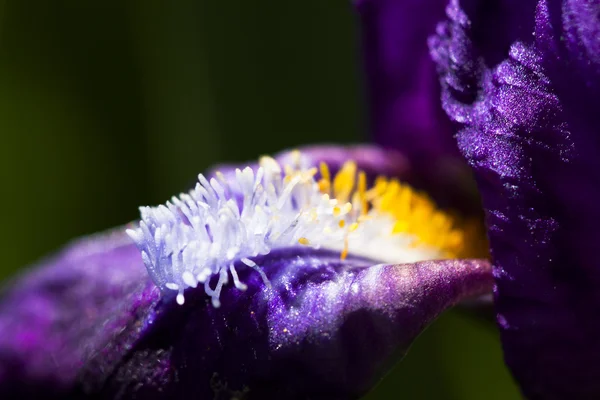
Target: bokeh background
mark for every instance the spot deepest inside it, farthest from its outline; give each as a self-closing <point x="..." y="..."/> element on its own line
<point x="105" y="106"/>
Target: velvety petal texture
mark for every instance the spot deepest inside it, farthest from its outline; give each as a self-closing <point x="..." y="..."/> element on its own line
<point x="325" y="329"/>
<point x="531" y="135"/>
<point x="402" y="87"/>
<point x="89" y="322"/>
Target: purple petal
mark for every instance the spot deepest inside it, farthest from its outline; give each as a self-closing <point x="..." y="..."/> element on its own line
<point x="403" y="91"/>
<point x="326" y="329"/>
<point x="531" y="137"/>
<point x="89" y="322"/>
<point x="496" y="24"/>
<point x="62" y="312"/>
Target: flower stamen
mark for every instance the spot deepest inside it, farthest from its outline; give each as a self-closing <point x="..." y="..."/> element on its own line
<point x="202" y="234"/>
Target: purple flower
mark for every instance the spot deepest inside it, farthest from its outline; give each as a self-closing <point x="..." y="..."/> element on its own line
<point x="530" y="127"/>
<point x="305" y="282"/>
<point x="307" y="307"/>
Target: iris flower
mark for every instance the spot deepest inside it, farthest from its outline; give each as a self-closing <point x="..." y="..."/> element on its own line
<point x="308" y="274"/>
<point x="279" y="280"/>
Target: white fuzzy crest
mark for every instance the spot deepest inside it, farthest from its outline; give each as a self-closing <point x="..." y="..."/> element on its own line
<point x="201" y="234"/>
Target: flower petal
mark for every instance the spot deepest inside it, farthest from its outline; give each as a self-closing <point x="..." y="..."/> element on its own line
<point x="402" y="89"/>
<point x="89" y="322"/>
<point x="531" y="137"/>
<point x="325" y="328"/>
<point x="61" y="312"/>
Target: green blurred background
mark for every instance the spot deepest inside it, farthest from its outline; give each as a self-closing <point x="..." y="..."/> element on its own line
<point x="105" y="106"/>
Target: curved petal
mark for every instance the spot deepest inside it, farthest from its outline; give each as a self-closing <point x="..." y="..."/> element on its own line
<point x="325" y="329"/>
<point x="531" y="137"/>
<point x="89" y="322"/>
<point x="403" y="91"/>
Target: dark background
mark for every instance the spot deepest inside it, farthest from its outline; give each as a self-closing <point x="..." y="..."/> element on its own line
<point x="105" y="106"/>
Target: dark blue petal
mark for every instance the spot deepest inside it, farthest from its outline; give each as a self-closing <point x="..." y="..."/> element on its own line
<point x="531" y="136"/>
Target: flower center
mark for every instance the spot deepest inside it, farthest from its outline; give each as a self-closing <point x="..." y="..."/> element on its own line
<point x="203" y="233"/>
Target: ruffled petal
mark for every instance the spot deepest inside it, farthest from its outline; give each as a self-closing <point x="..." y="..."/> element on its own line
<point x="403" y="92"/>
<point x="530" y="134"/>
